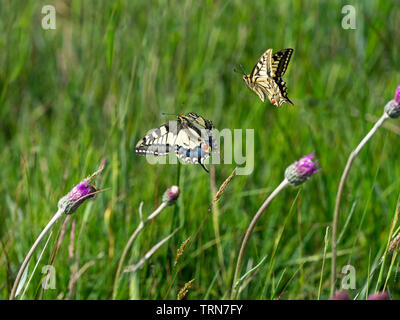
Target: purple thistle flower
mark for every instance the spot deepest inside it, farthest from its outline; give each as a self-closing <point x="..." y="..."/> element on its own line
<point x="397" y="95"/>
<point x="342" y="295"/>
<point x="78" y="194"/>
<point x="379" y="296"/>
<point x="301" y="170"/>
<point x="81" y="192"/>
<point x="392" y="108"/>
<point x="306" y="166"/>
<point x="171" y="195"/>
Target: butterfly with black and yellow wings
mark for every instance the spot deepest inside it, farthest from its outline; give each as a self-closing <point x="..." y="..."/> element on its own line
<point x="190" y="137"/>
<point x="266" y="77"/>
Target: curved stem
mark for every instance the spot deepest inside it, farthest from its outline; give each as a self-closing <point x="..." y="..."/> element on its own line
<point x="350" y="160"/>
<point x="250" y="229"/>
<point x="130" y="242"/>
<point x="31" y="251"/>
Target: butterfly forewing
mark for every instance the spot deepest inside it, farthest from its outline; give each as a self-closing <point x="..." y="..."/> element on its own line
<point x="263" y="67"/>
<point x="280" y="62"/>
<point x="158" y="141"/>
<point x="283" y="89"/>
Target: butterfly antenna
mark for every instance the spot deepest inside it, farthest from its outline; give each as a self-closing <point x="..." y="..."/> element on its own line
<point x="174" y="114"/>
<point x="168" y="114"/>
<point x="182" y="112"/>
<point x="241" y="67"/>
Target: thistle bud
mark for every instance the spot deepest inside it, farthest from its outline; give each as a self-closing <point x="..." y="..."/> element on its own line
<point x="301" y="170"/>
<point x="79" y="194"/>
<point x="392" y="108"/>
<point x="342" y="295"/>
<point x="379" y="296"/>
<point x="171" y="195"/>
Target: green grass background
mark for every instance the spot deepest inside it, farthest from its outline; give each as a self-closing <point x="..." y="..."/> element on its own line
<point x="96" y="84"/>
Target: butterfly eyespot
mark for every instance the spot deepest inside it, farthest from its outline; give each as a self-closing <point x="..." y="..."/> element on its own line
<point x="205" y="146"/>
<point x="273" y="101"/>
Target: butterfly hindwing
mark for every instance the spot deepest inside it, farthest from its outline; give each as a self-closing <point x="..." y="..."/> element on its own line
<point x="282" y="88"/>
<point x="260" y="91"/>
<point x="195" y="141"/>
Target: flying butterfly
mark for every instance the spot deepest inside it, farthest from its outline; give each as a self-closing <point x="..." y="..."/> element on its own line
<point x="266" y="77"/>
<point x="190" y="137"/>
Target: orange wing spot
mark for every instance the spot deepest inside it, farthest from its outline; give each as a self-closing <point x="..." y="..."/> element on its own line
<point x="205" y="146"/>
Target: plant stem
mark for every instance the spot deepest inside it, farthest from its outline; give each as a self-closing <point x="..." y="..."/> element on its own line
<point x="250" y="229"/>
<point x="130" y="242"/>
<point x="215" y="216"/>
<point x="176" y="218"/>
<point x="350" y="160"/>
<point x="323" y="261"/>
<point x="28" y="257"/>
<point x="147" y="256"/>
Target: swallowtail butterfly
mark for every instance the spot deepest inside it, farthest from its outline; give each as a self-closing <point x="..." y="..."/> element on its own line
<point x="190" y="137"/>
<point x="266" y="77"/>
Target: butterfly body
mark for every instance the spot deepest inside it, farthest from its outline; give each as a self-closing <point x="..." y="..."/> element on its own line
<point x="190" y="137"/>
<point x="266" y="77"/>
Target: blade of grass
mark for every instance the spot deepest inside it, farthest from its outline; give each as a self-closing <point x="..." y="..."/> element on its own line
<point x="323" y="262"/>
